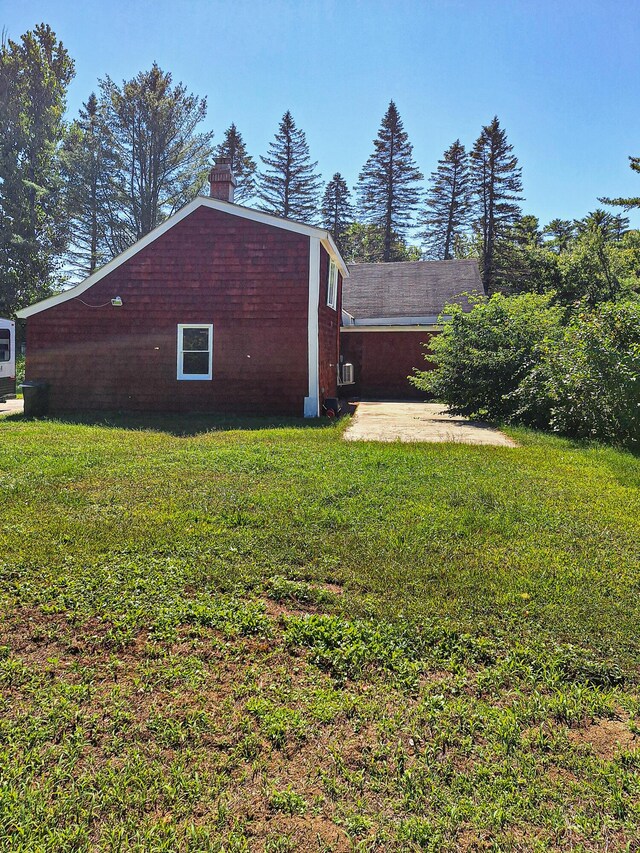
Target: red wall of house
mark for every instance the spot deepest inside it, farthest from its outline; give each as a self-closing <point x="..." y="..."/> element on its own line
<point x="250" y="280"/>
<point x="328" y="332"/>
<point x="382" y="362"/>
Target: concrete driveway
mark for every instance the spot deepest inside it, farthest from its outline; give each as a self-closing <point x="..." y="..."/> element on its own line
<point x="12" y="407"/>
<point x="389" y="421"/>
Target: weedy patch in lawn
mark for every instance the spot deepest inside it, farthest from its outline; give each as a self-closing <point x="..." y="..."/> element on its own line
<point x="210" y="642"/>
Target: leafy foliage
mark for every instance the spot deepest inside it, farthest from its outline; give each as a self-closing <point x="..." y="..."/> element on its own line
<point x="482" y="355"/>
<point x="388" y="191"/>
<point x="587" y="383"/>
<point x="289" y="185"/>
<point x="34" y="75"/>
<point x="365" y="244"/>
<point x="162" y="160"/>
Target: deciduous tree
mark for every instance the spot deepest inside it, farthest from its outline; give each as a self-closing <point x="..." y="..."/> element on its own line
<point x="34" y="75"/>
<point x="162" y="158"/>
<point x="365" y="243"/>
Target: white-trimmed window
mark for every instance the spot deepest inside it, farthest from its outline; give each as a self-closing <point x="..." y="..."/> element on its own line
<point x="195" y="351"/>
<point x="332" y="286"/>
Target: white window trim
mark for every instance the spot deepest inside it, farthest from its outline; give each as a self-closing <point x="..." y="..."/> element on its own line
<point x="332" y="291"/>
<point x="191" y="377"/>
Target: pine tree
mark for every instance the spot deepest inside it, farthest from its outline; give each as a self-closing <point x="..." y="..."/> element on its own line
<point x="561" y="232"/>
<point x="336" y="208"/>
<point x="88" y="165"/>
<point x="289" y="186"/>
<point x="163" y="161"/>
<point x="35" y="73"/>
<point x="627" y="203"/>
<point x="447" y="214"/>
<point x="243" y="166"/>
<point x="388" y="190"/>
<point x="609" y="227"/>
<point x="496" y="181"/>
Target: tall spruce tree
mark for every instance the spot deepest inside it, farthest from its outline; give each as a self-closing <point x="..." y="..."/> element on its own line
<point x="88" y="167"/>
<point x="242" y="164"/>
<point x="496" y="182"/>
<point x="388" y="191"/>
<point x="34" y="76"/>
<point x="162" y="159"/>
<point x="336" y="209"/>
<point x="447" y="214"/>
<point x="289" y="186"/>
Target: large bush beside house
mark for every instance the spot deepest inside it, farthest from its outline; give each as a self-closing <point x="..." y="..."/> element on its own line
<point x="520" y="359"/>
<point x="587" y="381"/>
<point x="482" y="355"/>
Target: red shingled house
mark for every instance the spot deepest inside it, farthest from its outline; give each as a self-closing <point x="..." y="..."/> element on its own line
<point x="221" y="308"/>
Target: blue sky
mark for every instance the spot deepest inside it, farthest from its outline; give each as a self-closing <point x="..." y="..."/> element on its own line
<point x="563" y="76"/>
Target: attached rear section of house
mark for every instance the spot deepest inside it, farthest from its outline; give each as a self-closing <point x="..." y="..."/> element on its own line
<point x="391" y="313"/>
<point x="221" y="309"/>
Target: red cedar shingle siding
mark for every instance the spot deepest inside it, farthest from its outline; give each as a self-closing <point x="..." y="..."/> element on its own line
<point x="328" y="332"/>
<point x="250" y="280"/>
<point x="383" y="360"/>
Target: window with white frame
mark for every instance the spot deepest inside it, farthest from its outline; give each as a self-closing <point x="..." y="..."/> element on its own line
<point x="195" y="351"/>
<point x="332" y="286"/>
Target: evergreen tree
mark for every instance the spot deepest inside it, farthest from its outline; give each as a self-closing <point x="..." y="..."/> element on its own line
<point x="447" y="214"/>
<point x="88" y="166"/>
<point x="336" y="209"/>
<point x="496" y="181"/>
<point x="243" y="166"/>
<point x="627" y="203"/>
<point x="289" y="186"/>
<point x="162" y="160"/>
<point x="609" y="227"/>
<point x="561" y="233"/>
<point x="388" y="192"/>
<point x="526" y="232"/>
<point x="34" y="75"/>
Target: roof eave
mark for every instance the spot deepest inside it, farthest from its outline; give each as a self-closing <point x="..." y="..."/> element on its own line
<point x="202" y="201"/>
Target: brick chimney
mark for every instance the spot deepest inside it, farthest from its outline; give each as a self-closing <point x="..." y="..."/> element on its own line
<point x="221" y="180"/>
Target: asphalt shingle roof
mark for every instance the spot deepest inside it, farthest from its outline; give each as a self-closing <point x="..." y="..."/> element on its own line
<point x="407" y="288"/>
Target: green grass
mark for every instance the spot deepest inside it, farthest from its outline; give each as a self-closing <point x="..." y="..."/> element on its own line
<point x="242" y="635"/>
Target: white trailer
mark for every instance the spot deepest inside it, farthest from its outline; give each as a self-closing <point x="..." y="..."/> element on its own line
<point x="7" y="359"/>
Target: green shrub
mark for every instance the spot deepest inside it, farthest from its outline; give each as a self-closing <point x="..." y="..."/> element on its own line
<point x="587" y="381"/>
<point x="19" y="372"/>
<point x="482" y="355"/>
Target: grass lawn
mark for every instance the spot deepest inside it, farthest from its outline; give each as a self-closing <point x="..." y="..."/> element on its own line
<point x="267" y="639"/>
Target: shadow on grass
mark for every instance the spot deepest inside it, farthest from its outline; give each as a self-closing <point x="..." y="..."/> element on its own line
<point x="178" y="425"/>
